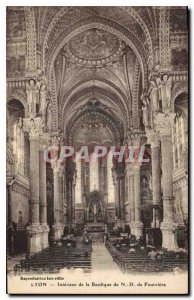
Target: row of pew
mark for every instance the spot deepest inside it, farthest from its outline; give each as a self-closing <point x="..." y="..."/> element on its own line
<point x="139" y="261"/>
<point x="53" y="259"/>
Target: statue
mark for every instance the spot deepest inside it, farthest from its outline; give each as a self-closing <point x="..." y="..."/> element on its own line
<point x="154" y="96"/>
<point x="165" y="86"/>
<point x="42" y="109"/>
<point x="146" y="111"/>
<point x="20" y="219"/>
<point x="20" y="122"/>
<point x="31" y="91"/>
<point x="49" y="116"/>
<point x="95" y="209"/>
<point x="41" y="83"/>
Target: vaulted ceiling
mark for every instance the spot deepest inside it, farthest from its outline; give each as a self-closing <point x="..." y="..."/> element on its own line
<point x="96" y="60"/>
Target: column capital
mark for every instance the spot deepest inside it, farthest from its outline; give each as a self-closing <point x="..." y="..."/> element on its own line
<point x="34" y="126"/>
<point x="129" y="168"/>
<point x="44" y="141"/>
<point x="164" y="123"/>
<point x="153" y="137"/>
<point x="55" y="138"/>
<point x="135" y="138"/>
<point x="55" y="167"/>
<point x="136" y="167"/>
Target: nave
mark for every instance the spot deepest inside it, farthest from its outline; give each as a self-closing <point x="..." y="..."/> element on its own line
<point x="96" y="78"/>
<point x="112" y="254"/>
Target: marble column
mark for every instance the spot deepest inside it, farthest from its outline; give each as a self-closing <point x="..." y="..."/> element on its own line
<point x="134" y="141"/>
<point x="119" y="221"/>
<point x="164" y="125"/>
<point x="137" y="225"/>
<point x="33" y="126"/>
<point x="127" y="203"/>
<point x="114" y="173"/>
<point x="57" y="228"/>
<point x="73" y="221"/>
<point x="61" y="196"/>
<point x="43" y="200"/>
<point x="153" y="139"/>
<point x="64" y="200"/>
<point x="131" y="199"/>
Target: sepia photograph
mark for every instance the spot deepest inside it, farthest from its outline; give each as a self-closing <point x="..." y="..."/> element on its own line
<point x="97" y="150"/>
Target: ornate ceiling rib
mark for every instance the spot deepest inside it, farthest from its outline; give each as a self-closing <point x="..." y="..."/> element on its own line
<point x="95" y="75"/>
<point x="93" y="112"/>
<point x="111" y="102"/>
<point x="88" y="82"/>
<point x="141" y="22"/>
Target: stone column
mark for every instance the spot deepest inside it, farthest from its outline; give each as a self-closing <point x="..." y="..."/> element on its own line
<point x="134" y="141"/>
<point x="137" y="225"/>
<point x="115" y="191"/>
<point x="57" y="228"/>
<point x="57" y="141"/>
<point x="64" y="200"/>
<point x="153" y="139"/>
<point x="61" y="193"/>
<point x="134" y="201"/>
<point x="131" y="199"/>
<point x="164" y="126"/>
<point x="33" y="126"/>
<point x="127" y="203"/>
<point x="73" y="221"/>
<point x="119" y="221"/>
<point x="43" y="199"/>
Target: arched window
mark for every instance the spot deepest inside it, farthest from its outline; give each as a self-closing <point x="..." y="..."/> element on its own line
<point x="110" y="184"/>
<point x="78" y="191"/>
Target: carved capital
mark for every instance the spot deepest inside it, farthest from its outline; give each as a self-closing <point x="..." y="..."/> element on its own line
<point x="164" y="123"/>
<point x="34" y="127"/>
<point x="44" y="141"/>
<point x="135" y="138"/>
<point x="153" y="137"/>
<point x="56" y="139"/>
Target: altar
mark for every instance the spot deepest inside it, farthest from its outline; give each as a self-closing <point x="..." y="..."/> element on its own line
<point x="95" y="217"/>
<point x="91" y="227"/>
<point x="96" y="232"/>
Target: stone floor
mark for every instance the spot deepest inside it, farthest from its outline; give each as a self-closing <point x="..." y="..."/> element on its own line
<point x="102" y="260"/>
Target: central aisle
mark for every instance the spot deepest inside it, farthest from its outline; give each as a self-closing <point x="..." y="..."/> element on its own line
<point x="102" y="260"/>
